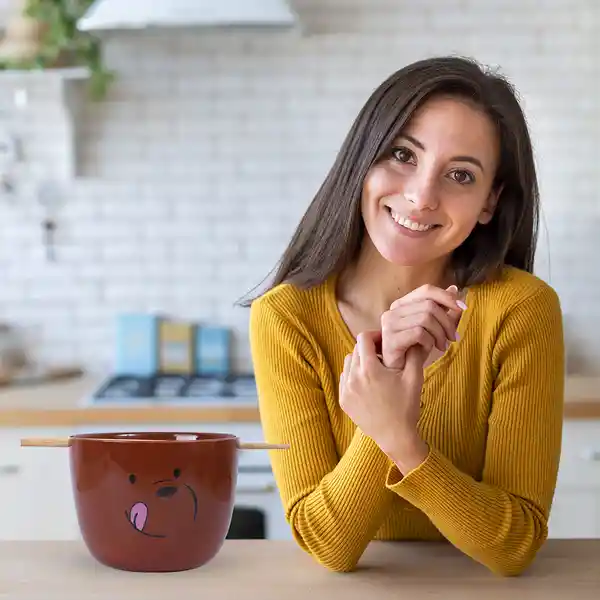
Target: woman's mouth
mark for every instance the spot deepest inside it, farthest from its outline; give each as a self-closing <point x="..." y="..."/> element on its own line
<point x="410" y="224"/>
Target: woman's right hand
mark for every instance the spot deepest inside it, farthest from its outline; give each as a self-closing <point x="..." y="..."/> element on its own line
<point x="383" y="402"/>
<point x="427" y="317"/>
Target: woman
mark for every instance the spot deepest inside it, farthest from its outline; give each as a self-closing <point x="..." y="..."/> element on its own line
<point x="411" y="276"/>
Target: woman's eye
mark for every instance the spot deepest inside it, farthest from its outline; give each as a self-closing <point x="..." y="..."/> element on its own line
<point x="462" y="177"/>
<point x="402" y="155"/>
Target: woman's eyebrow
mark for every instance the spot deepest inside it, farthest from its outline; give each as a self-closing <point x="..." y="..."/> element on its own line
<point x="461" y="158"/>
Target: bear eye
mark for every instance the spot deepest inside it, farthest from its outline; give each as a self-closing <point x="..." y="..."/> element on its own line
<point x="132" y="478"/>
<point x="176" y="473"/>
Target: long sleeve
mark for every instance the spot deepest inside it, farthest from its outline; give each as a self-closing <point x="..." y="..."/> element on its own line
<point x="334" y="505"/>
<point x="502" y="520"/>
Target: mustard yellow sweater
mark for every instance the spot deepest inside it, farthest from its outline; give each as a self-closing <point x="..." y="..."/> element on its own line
<point x="491" y="413"/>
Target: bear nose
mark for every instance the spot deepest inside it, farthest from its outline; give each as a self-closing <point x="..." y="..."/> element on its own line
<point x="166" y="491"/>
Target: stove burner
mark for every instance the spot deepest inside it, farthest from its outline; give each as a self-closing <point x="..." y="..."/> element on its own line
<point x="174" y="386"/>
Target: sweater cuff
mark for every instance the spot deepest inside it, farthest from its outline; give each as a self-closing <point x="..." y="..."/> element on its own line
<point x="424" y="485"/>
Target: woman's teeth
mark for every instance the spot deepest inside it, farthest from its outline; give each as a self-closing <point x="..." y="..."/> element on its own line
<point x="409" y="224"/>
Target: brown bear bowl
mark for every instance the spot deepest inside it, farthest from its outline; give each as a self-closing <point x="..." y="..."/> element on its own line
<point x="153" y="501"/>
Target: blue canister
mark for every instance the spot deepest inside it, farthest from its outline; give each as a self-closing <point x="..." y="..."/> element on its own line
<point x="213" y="350"/>
<point x="137" y="344"/>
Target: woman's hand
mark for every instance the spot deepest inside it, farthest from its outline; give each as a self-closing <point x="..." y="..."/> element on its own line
<point x="427" y="317"/>
<point x="383" y="402"/>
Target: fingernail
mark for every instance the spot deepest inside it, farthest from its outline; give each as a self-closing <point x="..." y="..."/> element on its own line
<point x="461" y="304"/>
<point x="457" y="336"/>
<point x="453" y="289"/>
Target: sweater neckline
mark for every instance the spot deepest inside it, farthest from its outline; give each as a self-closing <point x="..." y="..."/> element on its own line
<point x="350" y="341"/>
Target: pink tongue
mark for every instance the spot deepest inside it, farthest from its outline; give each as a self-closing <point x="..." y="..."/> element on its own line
<point x="138" y="515"/>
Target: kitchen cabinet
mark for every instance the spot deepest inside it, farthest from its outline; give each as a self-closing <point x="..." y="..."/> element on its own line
<point x="576" y="508"/>
<point x="36" y="502"/>
<point x="575" y="514"/>
<point x="35" y="493"/>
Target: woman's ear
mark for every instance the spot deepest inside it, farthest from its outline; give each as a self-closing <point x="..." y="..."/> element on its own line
<point x="490" y="205"/>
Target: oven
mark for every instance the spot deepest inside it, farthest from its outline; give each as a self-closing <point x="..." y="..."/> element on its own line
<point x="258" y="511"/>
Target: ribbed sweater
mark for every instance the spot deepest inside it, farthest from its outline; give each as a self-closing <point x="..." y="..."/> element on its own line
<point x="491" y="413"/>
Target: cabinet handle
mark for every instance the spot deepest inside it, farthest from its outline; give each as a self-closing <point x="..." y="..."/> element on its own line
<point x="9" y="469"/>
<point x="591" y="455"/>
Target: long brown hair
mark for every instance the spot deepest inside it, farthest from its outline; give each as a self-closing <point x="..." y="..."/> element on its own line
<point x="330" y="233"/>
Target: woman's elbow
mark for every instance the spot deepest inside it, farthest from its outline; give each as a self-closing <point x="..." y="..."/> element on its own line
<point x="328" y="553"/>
<point x="336" y="560"/>
<point x="337" y="564"/>
<point x="509" y="566"/>
<point x="511" y="562"/>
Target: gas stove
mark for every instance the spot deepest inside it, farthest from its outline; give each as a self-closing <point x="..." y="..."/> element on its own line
<point x="175" y="389"/>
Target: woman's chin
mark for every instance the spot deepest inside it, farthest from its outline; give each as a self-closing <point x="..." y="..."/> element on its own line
<point x="400" y="257"/>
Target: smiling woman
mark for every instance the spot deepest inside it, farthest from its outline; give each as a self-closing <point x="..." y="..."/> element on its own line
<point x="424" y="191"/>
<point x="404" y="349"/>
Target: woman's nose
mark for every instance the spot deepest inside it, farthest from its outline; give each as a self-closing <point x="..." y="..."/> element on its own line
<point x="423" y="194"/>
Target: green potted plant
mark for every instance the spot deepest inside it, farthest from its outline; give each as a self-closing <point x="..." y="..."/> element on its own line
<point x="44" y="35"/>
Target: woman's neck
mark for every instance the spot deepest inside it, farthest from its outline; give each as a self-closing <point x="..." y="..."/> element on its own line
<point x="372" y="283"/>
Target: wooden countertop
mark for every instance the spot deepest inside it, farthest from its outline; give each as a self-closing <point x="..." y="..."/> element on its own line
<point x="59" y="404"/>
<point x="271" y="570"/>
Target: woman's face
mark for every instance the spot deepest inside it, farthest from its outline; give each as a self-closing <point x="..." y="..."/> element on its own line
<point x="425" y="197"/>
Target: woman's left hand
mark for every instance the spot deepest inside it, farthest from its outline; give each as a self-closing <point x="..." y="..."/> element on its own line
<point x="385" y="402"/>
<point x="427" y="317"/>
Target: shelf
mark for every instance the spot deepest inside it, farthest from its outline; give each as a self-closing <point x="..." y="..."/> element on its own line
<point x="73" y="73"/>
<point x="59" y="95"/>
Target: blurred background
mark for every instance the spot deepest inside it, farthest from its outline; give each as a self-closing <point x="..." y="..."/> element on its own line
<point x="155" y="158"/>
<point x="161" y="171"/>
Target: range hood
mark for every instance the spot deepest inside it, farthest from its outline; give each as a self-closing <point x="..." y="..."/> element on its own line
<point x="142" y="14"/>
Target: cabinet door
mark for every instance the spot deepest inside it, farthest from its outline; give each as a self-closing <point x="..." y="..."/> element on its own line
<point x="46" y="495"/>
<point x="36" y="502"/>
<point x="576" y="508"/>
<point x="580" y="457"/>
<point x="575" y="514"/>
<point x="12" y="517"/>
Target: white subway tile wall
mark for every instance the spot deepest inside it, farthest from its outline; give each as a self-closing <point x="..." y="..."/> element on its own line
<point x="211" y="144"/>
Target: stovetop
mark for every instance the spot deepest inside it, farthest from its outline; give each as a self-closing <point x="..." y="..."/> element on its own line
<point x="175" y="388"/>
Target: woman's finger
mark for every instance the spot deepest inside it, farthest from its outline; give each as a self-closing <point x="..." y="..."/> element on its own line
<point x="344" y="373"/>
<point x="413" y="369"/>
<point x="427" y="322"/>
<point x="355" y="360"/>
<point x="445" y="298"/>
<point x="367" y="350"/>
<point x="396" y="345"/>
<point x="393" y="319"/>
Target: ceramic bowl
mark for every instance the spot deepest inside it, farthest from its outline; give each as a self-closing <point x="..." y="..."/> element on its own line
<point x="149" y="501"/>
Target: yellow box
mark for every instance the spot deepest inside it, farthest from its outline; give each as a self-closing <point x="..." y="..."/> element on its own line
<point x="176" y="345"/>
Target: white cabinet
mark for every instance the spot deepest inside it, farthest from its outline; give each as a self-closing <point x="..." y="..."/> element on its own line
<point x="575" y="514"/>
<point x="35" y="489"/>
<point x="12" y="519"/>
<point x="576" y="507"/>
<point x="36" y="500"/>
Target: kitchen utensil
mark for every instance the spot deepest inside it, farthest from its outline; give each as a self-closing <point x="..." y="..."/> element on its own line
<point x="37" y="374"/>
<point x="153" y="501"/>
<point x="66" y="442"/>
<point x="49" y="197"/>
<point x="13" y="354"/>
